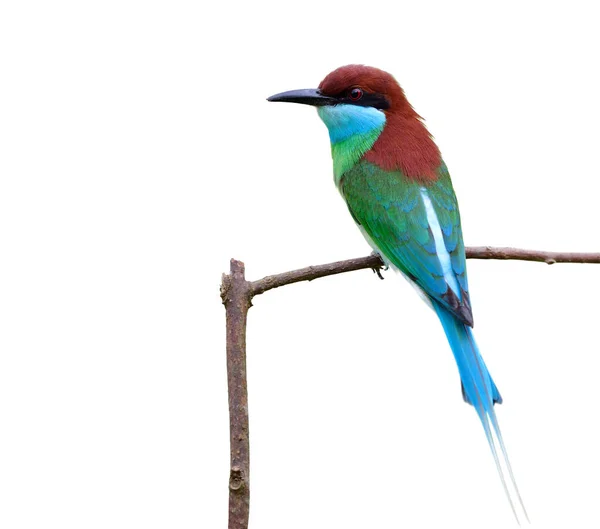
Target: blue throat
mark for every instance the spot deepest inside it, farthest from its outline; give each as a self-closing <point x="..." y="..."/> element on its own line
<point x="344" y="121"/>
<point x="352" y="131"/>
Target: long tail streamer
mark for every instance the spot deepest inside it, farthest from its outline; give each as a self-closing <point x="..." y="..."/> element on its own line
<point x="480" y="391"/>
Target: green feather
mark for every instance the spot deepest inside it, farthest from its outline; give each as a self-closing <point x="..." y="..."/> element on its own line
<point x="346" y="153"/>
<point x="390" y="209"/>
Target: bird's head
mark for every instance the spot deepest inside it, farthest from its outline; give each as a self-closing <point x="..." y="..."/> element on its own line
<point x="352" y="99"/>
<point x="354" y="84"/>
<point x="357" y="103"/>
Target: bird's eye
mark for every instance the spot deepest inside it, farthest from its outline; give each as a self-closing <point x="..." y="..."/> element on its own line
<point x="356" y="94"/>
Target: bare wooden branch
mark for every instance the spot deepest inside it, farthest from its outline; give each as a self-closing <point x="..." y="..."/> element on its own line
<point x="518" y="254"/>
<point x="374" y="261"/>
<point x="314" y="272"/>
<point x="237" y="294"/>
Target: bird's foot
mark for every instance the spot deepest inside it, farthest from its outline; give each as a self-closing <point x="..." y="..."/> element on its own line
<point x="377" y="269"/>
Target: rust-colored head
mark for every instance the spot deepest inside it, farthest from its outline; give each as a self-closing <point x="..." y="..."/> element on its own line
<point x="404" y="144"/>
<point x="372" y="81"/>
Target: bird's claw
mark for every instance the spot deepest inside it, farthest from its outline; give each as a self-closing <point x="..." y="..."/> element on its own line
<point x="377" y="269"/>
<point x="378" y="272"/>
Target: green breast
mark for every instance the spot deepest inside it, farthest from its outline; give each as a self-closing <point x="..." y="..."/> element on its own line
<point x="348" y="152"/>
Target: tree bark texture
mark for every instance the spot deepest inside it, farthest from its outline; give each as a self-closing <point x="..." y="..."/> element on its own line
<point x="236" y="298"/>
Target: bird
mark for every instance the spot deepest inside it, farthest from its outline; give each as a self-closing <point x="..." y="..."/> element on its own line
<point x="398" y="191"/>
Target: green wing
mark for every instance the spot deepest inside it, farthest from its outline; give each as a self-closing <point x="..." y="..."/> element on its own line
<point x="396" y="214"/>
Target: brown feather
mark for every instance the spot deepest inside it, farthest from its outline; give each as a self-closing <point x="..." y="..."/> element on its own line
<point x="405" y="143"/>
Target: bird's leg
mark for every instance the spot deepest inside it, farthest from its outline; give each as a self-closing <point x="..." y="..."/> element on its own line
<point x="377" y="270"/>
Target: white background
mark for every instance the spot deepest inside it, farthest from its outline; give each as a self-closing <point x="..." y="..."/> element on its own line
<point x="138" y="154"/>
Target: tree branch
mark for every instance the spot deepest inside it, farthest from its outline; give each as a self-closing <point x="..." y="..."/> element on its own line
<point x="237" y="294"/>
<point x="374" y="261"/>
<point x="314" y="272"/>
<point x="518" y="254"/>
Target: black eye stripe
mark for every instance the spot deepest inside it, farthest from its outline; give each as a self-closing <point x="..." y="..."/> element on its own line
<point x="368" y="99"/>
<point x="373" y="100"/>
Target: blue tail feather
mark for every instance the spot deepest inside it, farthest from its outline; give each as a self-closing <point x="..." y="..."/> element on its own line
<point x="480" y="391"/>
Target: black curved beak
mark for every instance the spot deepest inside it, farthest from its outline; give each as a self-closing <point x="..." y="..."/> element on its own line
<point x="309" y="96"/>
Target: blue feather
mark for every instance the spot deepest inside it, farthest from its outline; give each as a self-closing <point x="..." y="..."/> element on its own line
<point x="481" y="392"/>
<point x="345" y="121"/>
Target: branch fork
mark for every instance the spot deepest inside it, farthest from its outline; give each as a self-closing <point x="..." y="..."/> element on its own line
<point x="237" y="294"/>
